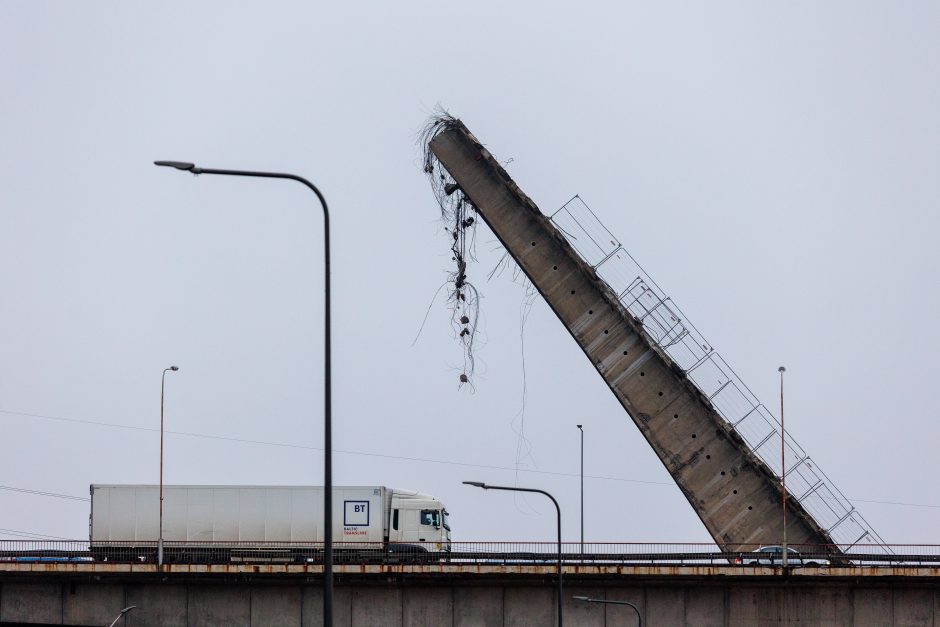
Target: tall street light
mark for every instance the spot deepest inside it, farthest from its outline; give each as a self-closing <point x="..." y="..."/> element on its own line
<point x="160" y="534"/>
<point x="606" y="602"/>
<point x="783" y="469"/>
<point x="581" y="429"/>
<point x="480" y="484"/>
<point x="327" y="399"/>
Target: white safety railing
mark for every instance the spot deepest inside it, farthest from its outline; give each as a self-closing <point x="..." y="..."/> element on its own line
<point x="668" y="328"/>
<point x="23" y="554"/>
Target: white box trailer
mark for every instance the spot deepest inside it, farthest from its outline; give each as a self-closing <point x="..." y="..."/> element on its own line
<point x="374" y="517"/>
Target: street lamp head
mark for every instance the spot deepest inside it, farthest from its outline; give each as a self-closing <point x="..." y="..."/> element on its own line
<point x="781" y="369"/>
<point x="174" y="368"/>
<point x="579" y="427"/>
<point x="123" y="612"/>
<point x="179" y="165"/>
<point x="585" y="599"/>
<point x="476" y="484"/>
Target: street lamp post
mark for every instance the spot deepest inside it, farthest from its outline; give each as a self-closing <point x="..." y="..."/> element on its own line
<point x="581" y="429"/>
<point x="606" y="602"/>
<point x="119" y="616"/>
<point x="160" y="533"/>
<point x="783" y="468"/>
<point x="327" y="397"/>
<point x="480" y="484"/>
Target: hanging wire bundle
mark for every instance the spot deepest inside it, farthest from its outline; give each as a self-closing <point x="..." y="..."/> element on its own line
<point x="460" y="219"/>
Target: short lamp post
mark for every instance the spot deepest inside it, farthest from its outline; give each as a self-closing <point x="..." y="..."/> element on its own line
<point x="783" y="467"/>
<point x="160" y="532"/>
<point x="581" y="429"/>
<point x="639" y="618"/>
<point x="480" y="484"/>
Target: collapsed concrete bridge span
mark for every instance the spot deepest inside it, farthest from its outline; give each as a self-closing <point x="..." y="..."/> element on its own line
<point x="708" y="430"/>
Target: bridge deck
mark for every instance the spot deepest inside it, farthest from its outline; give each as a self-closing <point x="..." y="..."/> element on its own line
<point x="415" y="595"/>
<point x="466" y="571"/>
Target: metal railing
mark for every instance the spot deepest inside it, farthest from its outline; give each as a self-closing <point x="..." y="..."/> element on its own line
<point x="667" y="328"/>
<point x="467" y="553"/>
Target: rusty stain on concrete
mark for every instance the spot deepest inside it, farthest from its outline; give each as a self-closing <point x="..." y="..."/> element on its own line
<point x="450" y="569"/>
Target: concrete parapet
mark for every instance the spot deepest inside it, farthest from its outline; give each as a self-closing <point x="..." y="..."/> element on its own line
<point x="732" y="597"/>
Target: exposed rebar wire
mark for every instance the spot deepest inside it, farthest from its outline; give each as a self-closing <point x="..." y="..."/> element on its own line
<point x="504" y="262"/>
<point x="427" y="313"/>
<point x="460" y="219"/>
<point x="523" y="444"/>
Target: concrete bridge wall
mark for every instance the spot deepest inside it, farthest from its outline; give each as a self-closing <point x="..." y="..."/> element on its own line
<point x="463" y="600"/>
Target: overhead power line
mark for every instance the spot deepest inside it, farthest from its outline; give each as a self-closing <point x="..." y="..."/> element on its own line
<point x="317" y="448"/>
<point x="30" y="535"/>
<point x="383" y="456"/>
<point x="41" y="493"/>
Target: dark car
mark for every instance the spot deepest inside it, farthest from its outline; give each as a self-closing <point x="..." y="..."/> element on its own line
<point x="773" y="556"/>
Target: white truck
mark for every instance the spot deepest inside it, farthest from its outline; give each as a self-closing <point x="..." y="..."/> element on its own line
<point x="220" y="523"/>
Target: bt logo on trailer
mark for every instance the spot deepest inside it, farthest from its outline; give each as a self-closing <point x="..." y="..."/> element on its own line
<point x="356" y="513"/>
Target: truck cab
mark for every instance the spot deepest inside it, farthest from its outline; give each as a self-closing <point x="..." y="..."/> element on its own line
<point x="418" y="520"/>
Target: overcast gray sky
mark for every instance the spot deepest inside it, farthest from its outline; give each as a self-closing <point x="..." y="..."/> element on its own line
<point x="774" y="168"/>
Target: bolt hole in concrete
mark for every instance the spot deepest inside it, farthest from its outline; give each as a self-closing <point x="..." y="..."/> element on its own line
<point x="572" y="291"/>
<point x="722" y="473"/>
<point x="734" y="491"/>
<point x="626" y="353"/>
<point x="708" y="457"/>
<point x="606" y="331"/>
<point x="693" y="436"/>
<point x="660" y="393"/>
<point x="749" y="508"/>
<point x="590" y="312"/>
<point x="642" y="374"/>
<point x="533" y="243"/>
<point x="675" y="415"/>
<point x="554" y="267"/>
